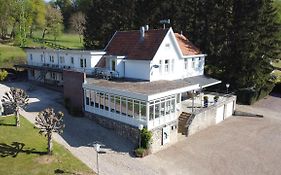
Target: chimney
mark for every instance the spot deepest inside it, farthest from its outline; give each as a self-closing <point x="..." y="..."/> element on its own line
<point x="142" y="33"/>
<point x="146" y="27"/>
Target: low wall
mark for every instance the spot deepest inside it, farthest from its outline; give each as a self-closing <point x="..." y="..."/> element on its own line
<point x="212" y="115"/>
<point x="129" y="132"/>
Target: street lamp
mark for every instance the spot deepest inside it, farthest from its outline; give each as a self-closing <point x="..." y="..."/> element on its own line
<point x="97" y="148"/>
<point x="140" y="129"/>
<point x="227" y="86"/>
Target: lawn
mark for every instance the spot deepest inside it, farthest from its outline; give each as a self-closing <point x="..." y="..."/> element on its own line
<point x="66" y="39"/>
<point x="10" y="55"/>
<point x="22" y="152"/>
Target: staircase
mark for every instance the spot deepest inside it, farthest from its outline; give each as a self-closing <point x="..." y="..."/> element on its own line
<point x="182" y="121"/>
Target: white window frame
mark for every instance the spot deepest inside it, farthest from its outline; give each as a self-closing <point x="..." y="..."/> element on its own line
<point x="185" y="63"/>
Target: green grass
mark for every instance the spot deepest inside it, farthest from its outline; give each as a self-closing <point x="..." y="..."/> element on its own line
<point x="66" y="39"/>
<point x="10" y="55"/>
<point x="31" y="159"/>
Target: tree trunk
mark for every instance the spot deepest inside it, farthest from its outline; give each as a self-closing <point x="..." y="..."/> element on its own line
<point x="50" y="144"/>
<point x="43" y="34"/>
<point x="17" y="117"/>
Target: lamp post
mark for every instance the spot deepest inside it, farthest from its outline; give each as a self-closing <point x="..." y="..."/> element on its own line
<point x="227" y="86"/>
<point x="97" y="148"/>
<point x="140" y="129"/>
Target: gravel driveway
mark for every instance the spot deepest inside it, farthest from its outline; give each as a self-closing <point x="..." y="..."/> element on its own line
<point x="239" y="145"/>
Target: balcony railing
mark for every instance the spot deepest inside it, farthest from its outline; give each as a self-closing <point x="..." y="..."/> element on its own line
<point x="105" y="73"/>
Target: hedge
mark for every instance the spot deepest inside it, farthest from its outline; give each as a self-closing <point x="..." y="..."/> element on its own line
<point x="249" y="96"/>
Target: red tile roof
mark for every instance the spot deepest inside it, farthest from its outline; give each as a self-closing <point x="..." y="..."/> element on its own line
<point x="129" y="43"/>
<point x="187" y="48"/>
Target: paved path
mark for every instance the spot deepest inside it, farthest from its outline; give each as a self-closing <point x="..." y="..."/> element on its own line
<point x="239" y="145"/>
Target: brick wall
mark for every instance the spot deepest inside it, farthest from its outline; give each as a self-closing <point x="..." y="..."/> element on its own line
<point x="72" y="88"/>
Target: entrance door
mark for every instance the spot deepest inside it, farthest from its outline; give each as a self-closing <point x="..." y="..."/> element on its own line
<point x="113" y="65"/>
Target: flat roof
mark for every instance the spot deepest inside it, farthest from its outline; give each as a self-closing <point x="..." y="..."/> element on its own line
<point x="138" y="86"/>
<point x="203" y="80"/>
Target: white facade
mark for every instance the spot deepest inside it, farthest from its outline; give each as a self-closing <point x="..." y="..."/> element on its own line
<point x="167" y="64"/>
<point x="78" y="60"/>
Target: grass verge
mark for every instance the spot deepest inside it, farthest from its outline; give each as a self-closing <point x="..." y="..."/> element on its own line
<point x="22" y="152"/>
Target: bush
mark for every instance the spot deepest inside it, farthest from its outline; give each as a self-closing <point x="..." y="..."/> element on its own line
<point x="145" y="138"/>
<point x="3" y="75"/>
<point x="140" y="152"/>
<point x="249" y="96"/>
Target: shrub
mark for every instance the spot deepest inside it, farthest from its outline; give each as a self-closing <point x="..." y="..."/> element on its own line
<point x="145" y="138"/>
<point x="140" y="152"/>
<point x="249" y="96"/>
<point x="3" y="75"/>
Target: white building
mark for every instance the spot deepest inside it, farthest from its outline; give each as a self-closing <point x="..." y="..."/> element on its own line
<point x="140" y="78"/>
<point x="46" y="65"/>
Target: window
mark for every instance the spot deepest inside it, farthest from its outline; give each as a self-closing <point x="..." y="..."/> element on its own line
<point x="143" y="111"/>
<point x="62" y="60"/>
<point x="151" y="111"/>
<point x="157" y="110"/>
<point x="185" y="63"/>
<point x="113" y="65"/>
<point x="160" y="66"/>
<point x="106" y="104"/>
<point x="162" y="109"/>
<point x="201" y="62"/>
<point x="136" y="109"/>
<point x="72" y="60"/>
<point x="101" y="100"/>
<point x="92" y="98"/>
<point x="30" y="56"/>
<point x="97" y="100"/>
<point x="166" y="66"/>
<point x="41" y="58"/>
<point x="117" y="104"/>
<point x="193" y="63"/>
<point x="112" y="107"/>
<point x="32" y="73"/>
<point x="85" y="63"/>
<point x="123" y="106"/>
<point x="81" y="63"/>
<point x="130" y="108"/>
<point x="87" y="97"/>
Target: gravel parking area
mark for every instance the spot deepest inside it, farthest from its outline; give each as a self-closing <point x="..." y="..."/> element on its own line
<point x="239" y="145"/>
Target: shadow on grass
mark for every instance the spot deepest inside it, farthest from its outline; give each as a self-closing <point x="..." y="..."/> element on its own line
<point x="2" y="123"/>
<point x="15" y="148"/>
<point x="60" y="171"/>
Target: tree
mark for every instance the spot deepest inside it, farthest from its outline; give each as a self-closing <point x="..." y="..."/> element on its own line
<point x="104" y="17"/>
<point x="38" y="15"/>
<point x="49" y="122"/>
<point x="16" y="99"/>
<point x="53" y="22"/>
<point x="66" y="9"/>
<point x="77" y="22"/>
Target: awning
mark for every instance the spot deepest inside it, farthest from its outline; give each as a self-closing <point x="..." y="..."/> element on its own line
<point x="203" y="81"/>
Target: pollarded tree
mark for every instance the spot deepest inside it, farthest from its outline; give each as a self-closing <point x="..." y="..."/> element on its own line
<point x="16" y="99"/>
<point x="49" y="122"/>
